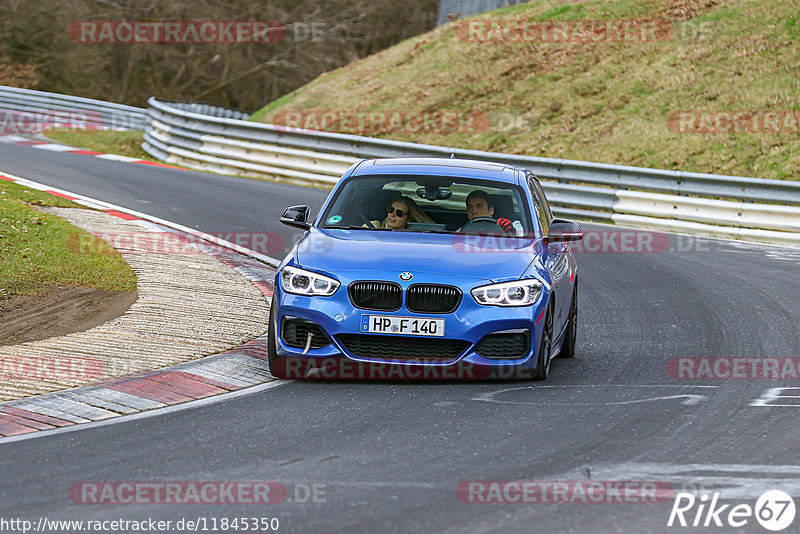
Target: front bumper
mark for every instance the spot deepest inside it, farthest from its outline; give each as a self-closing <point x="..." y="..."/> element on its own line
<point x="468" y="325"/>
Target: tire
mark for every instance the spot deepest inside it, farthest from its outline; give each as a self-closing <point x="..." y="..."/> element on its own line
<point x="568" y="347"/>
<point x="545" y="347"/>
<point x="277" y="365"/>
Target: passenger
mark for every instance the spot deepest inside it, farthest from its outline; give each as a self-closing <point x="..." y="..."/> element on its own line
<point x="400" y="212"/>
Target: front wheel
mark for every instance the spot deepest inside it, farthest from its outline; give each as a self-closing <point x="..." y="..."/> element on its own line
<point x="277" y="365"/>
<point x="545" y="348"/>
<point x="568" y="347"/>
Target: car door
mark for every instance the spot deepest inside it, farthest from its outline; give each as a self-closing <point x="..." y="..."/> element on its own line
<point x="557" y="260"/>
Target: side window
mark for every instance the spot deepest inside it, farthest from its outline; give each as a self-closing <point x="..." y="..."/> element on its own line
<point x="540" y="203"/>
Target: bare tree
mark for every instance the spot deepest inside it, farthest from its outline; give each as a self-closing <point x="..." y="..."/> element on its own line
<point x="317" y="36"/>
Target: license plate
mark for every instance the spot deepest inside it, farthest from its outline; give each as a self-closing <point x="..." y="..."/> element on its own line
<point x="412" y="326"/>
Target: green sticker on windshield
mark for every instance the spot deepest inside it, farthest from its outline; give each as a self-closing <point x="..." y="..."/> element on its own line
<point x="335" y="219"/>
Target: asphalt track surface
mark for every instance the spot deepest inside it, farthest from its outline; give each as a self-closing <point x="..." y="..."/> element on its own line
<point x="388" y="457"/>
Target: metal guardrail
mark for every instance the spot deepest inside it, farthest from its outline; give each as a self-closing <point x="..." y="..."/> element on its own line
<point x="466" y="8"/>
<point x="704" y="204"/>
<point x="210" y="110"/>
<point x="93" y="113"/>
<point x="566" y="171"/>
<point x="221" y="140"/>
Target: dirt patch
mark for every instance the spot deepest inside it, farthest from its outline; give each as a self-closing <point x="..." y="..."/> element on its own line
<point x="58" y="312"/>
<point x="681" y="10"/>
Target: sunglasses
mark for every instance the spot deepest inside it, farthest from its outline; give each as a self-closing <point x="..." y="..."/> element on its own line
<point x="398" y="211"/>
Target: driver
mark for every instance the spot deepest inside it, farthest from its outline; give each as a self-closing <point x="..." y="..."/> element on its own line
<point x="480" y="205"/>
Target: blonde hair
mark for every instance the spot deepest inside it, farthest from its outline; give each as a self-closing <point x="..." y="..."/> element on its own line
<point x="415" y="214"/>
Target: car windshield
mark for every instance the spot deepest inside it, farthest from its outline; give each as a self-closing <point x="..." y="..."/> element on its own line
<point x="433" y="204"/>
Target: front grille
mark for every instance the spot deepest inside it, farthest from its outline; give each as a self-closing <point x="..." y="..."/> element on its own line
<point x="432" y="298"/>
<point x="505" y="345"/>
<point x="380" y="347"/>
<point x="383" y="296"/>
<point x="295" y="334"/>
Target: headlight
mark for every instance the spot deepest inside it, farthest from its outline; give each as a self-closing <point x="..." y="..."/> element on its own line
<point x="302" y="282"/>
<point x="517" y="293"/>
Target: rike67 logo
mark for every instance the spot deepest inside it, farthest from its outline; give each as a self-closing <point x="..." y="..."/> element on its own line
<point x="774" y="510"/>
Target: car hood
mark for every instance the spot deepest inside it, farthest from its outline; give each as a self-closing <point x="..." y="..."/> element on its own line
<point x="478" y="257"/>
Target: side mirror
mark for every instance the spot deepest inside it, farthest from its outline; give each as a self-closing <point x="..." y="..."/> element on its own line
<point x="562" y="230"/>
<point x="296" y="217"/>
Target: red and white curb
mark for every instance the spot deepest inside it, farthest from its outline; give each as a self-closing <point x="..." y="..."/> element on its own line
<point x="143" y="218"/>
<point x="58" y="147"/>
<point x="211" y="376"/>
<point x="219" y="374"/>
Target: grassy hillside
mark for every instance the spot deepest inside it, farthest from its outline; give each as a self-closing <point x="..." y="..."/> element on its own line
<point x="39" y="250"/>
<point x="597" y="101"/>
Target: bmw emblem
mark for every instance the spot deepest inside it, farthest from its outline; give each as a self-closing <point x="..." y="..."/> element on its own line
<point x="405" y="277"/>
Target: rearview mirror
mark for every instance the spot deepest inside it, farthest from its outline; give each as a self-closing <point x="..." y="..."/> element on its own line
<point x="296" y="217"/>
<point x="434" y="193"/>
<point x="562" y="230"/>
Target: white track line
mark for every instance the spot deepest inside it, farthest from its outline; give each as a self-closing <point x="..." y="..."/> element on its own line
<point x="102" y="205"/>
<point x="150" y="413"/>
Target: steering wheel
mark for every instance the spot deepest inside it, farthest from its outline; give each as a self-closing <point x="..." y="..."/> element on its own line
<point x="482" y="225"/>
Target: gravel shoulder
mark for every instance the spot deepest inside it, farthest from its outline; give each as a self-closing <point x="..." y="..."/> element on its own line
<point x="190" y="304"/>
<point x="59" y="311"/>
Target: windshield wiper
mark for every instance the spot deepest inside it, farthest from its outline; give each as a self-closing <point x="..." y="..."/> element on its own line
<point x="335" y="227"/>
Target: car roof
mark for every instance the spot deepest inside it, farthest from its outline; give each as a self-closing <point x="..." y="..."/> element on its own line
<point x="461" y="168"/>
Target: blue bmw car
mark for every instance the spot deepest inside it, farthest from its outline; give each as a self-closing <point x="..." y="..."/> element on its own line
<point x="426" y="268"/>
